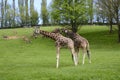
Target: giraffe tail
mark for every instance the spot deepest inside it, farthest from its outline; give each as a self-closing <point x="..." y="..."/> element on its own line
<point x="72" y="58"/>
<point x="88" y="53"/>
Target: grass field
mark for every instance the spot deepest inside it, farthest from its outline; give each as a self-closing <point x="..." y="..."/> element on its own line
<point x="37" y="61"/>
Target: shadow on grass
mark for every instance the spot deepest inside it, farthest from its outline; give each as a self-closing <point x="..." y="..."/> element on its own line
<point x="101" y="39"/>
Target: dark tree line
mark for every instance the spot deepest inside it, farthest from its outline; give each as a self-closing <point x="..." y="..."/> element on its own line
<point x="14" y="17"/>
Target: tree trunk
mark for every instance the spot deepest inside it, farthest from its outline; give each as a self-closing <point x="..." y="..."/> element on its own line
<point x="74" y="26"/>
<point x="118" y="23"/>
<point x="110" y="25"/>
<point x="21" y="11"/>
<point x="91" y="12"/>
<point x="110" y="28"/>
<point x="2" y="13"/>
<point x="13" y="13"/>
<point x="119" y="33"/>
<point x="26" y="18"/>
<point x="5" y="13"/>
<point x="31" y="11"/>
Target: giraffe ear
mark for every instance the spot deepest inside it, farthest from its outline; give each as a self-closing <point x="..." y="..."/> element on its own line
<point x="66" y="31"/>
<point x="37" y="31"/>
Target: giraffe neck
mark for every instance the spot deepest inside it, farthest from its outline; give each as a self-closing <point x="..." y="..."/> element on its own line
<point x="71" y="34"/>
<point x="49" y="34"/>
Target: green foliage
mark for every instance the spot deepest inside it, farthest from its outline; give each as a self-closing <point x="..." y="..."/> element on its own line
<point x="36" y="61"/>
<point x="9" y="15"/>
<point x="34" y="17"/>
<point x="90" y="10"/>
<point x="44" y="12"/>
<point x="26" y="18"/>
<point x="22" y="15"/>
<point x="69" y="11"/>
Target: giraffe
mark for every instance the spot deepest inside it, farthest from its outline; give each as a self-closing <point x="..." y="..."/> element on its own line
<point x="79" y="42"/>
<point x="59" y="41"/>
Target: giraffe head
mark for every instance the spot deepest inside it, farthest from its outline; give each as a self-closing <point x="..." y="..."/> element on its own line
<point x="64" y="31"/>
<point x="36" y="32"/>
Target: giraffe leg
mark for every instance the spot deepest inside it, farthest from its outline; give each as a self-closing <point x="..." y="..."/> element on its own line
<point x="77" y="52"/>
<point x="84" y="53"/>
<point x="74" y="56"/>
<point x="75" y="59"/>
<point x="57" y="57"/>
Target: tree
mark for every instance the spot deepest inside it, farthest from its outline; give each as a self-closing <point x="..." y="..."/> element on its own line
<point x="31" y="11"/>
<point x="34" y="17"/>
<point x="33" y="14"/>
<point x="21" y="4"/>
<point x="2" y="13"/>
<point x="112" y="10"/>
<point x="26" y="18"/>
<point x="5" y="11"/>
<point x="71" y="12"/>
<point x="89" y="5"/>
<point x="26" y="13"/>
<point x="116" y="13"/>
<point x="44" y="12"/>
<point x="13" y="13"/>
<point x="10" y="16"/>
<point x="105" y="7"/>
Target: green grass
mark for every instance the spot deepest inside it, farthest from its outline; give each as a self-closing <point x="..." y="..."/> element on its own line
<point x="37" y="61"/>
